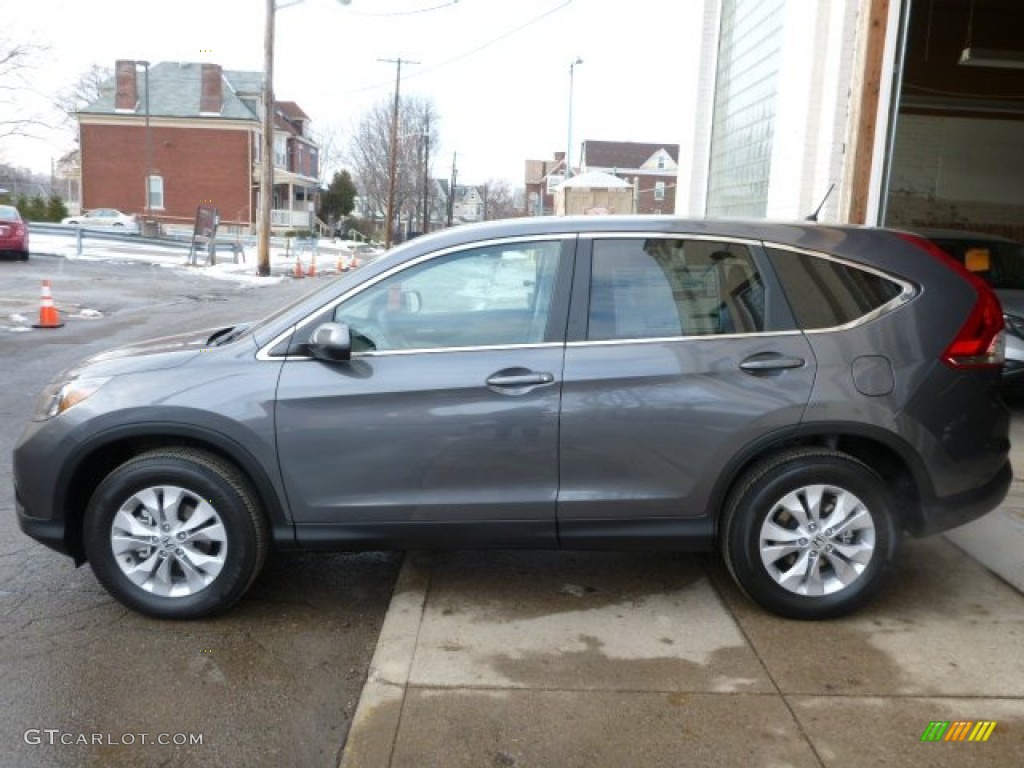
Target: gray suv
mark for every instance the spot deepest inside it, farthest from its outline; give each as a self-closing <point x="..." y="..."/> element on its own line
<point x="795" y="395"/>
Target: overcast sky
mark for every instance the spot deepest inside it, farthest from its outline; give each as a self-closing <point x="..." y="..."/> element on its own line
<point x="497" y="70"/>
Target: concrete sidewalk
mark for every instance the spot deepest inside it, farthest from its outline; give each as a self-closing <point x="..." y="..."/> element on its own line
<point x="599" y="659"/>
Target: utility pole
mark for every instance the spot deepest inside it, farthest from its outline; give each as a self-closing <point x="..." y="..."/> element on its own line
<point x="267" y="146"/>
<point x="426" y="175"/>
<point x="393" y="159"/>
<point x="451" y="191"/>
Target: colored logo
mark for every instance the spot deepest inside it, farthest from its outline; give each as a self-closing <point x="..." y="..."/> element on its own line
<point x="958" y="730"/>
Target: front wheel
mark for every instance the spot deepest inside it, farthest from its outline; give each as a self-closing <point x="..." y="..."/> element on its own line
<point x="175" y="533"/>
<point x="810" y="534"/>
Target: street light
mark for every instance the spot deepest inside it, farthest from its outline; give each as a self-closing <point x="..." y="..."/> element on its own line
<point x="568" y="148"/>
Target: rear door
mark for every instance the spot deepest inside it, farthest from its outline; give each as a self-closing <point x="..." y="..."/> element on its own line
<point x="682" y="352"/>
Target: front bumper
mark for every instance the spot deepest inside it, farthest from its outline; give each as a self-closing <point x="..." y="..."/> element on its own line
<point x="48" y="532"/>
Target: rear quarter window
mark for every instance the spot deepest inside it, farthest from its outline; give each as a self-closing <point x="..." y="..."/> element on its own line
<point x="825" y="293"/>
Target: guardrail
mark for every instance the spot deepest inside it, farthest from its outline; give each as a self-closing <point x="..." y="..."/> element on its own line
<point x="181" y="240"/>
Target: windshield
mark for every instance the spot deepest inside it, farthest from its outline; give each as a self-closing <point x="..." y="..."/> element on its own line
<point x="1000" y="263"/>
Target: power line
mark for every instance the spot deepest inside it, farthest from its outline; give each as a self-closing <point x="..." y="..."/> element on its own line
<point x="403" y="13"/>
<point x="466" y="54"/>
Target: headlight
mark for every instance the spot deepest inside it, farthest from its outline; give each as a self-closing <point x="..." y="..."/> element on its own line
<point x="62" y="394"/>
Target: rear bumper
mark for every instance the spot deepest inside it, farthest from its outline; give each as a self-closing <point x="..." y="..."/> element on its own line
<point x="952" y="511"/>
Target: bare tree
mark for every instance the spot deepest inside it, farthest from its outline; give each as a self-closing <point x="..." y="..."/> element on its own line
<point x="499" y="200"/>
<point x="93" y="83"/>
<point x="328" y="139"/>
<point x="369" y="155"/>
<point x="17" y="116"/>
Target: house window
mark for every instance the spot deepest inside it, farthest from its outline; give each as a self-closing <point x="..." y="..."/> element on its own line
<point x="156" y="192"/>
<point x="659" y="190"/>
<point x="661" y="161"/>
<point x="280" y="152"/>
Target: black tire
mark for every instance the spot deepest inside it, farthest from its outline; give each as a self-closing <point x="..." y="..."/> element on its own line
<point x="201" y="558"/>
<point x="800" y="569"/>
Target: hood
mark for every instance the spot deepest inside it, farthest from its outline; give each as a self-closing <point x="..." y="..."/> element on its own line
<point x="152" y="355"/>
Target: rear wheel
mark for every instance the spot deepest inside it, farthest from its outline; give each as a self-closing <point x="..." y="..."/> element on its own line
<point x="175" y="533"/>
<point x="810" y="534"/>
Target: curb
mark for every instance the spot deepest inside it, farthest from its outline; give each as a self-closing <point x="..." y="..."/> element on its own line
<point x="371" y="738"/>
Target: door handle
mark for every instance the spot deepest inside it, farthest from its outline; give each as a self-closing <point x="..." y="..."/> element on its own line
<point x="516" y="380"/>
<point x="767" y="363"/>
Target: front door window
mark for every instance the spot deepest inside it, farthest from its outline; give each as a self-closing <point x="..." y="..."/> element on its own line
<point x="485" y="297"/>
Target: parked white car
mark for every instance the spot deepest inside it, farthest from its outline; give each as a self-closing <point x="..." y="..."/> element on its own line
<point x="104" y="217"/>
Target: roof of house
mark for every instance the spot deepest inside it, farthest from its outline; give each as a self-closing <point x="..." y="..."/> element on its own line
<point x="291" y="110"/>
<point x="175" y="89"/>
<point x="596" y="180"/>
<point x="624" y="154"/>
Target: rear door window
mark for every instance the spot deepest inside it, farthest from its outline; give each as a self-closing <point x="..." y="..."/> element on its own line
<point x="665" y="287"/>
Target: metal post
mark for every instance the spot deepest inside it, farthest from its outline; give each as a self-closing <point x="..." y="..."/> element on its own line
<point x="149" y="149"/>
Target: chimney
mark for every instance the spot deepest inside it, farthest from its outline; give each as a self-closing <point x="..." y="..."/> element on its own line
<point x="126" y="98"/>
<point x="211" y="100"/>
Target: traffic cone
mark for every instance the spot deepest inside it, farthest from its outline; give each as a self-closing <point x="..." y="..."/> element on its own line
<point x="48" y="315"/>
<point x="298" y="267"/>
<point x="339" y="265"/>
<point x="311" y="272"/>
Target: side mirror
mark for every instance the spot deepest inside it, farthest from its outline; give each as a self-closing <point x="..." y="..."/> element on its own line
<point x="331" y="343"/>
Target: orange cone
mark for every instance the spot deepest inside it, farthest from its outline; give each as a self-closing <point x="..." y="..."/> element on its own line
<point x="48" y="315"/>
<point x="339" y="265"/>
<point x="298" y="267"/>
<point x="311" y="272"/>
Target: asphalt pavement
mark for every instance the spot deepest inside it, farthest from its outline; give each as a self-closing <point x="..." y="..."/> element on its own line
<point x="85" y="682"/>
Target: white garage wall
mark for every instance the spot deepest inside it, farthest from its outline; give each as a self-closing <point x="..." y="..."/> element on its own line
<point x="957" y="171"/>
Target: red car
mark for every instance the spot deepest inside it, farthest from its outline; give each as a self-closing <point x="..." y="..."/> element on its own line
<point x="13" y="233"/>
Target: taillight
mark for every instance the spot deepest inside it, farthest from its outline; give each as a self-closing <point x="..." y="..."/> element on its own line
<point x="981" y="341"/>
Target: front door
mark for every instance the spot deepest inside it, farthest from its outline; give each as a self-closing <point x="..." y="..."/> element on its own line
<point x="447" y="415"/>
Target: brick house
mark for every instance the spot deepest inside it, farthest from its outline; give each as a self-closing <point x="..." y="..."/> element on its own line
<point x="202" y="147"/>
<point x="652" y="169"/>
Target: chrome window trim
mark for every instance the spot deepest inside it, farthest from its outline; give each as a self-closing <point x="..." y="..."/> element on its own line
<point x="664" y="339"/>
<point x="264" y="352"/>
<point x="670" y="236"/>
<point x="428" y="351"/>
